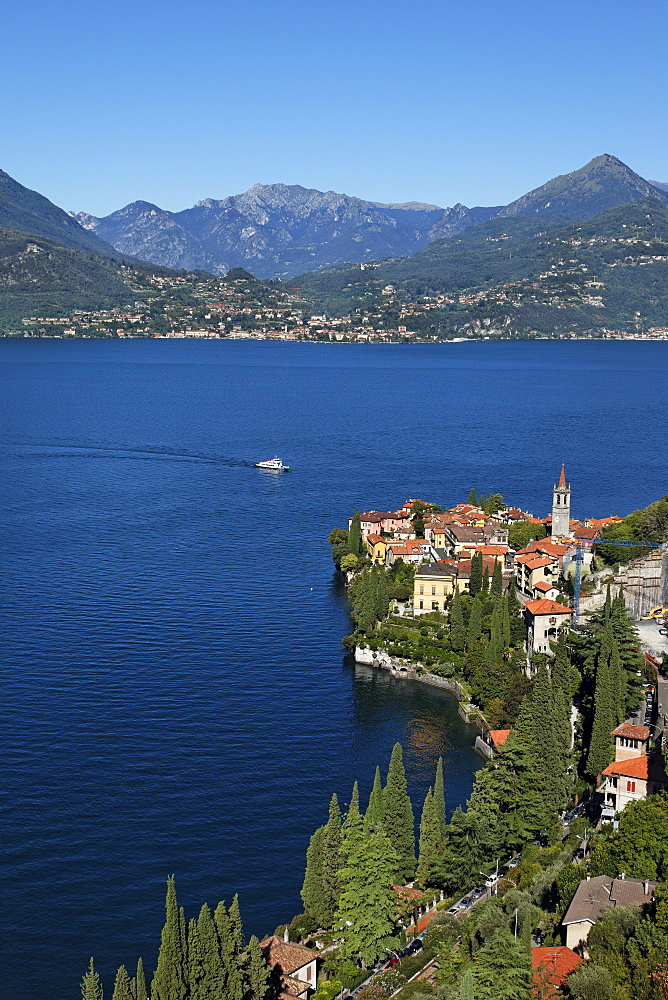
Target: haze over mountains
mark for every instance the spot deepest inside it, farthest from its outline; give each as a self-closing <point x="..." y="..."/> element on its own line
<point x="280" y="231"/>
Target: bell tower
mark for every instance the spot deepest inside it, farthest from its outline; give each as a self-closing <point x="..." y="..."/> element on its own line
<point x="561" y="506"/>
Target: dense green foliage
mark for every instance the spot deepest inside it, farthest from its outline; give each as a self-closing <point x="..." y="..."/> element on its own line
<point x="534" y="275"/>
<point x="647" y="525"/>
<point x="522" y="532"/>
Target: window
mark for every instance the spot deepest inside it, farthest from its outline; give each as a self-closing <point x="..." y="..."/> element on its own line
<point x="421" y="605"/>
<point x="630" y="786"/>
<point x="434" y="605"/>
<point x="433" y="591"/>
<point x="421" y="591"/>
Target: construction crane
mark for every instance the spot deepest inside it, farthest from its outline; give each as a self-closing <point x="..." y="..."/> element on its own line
<point x="578" y="564"/>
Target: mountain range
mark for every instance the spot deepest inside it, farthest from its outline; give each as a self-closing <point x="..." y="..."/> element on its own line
<point x="50" y="263"/>
<point x="281" y="231"/>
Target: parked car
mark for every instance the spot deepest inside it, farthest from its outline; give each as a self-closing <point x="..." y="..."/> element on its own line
<point x="503" y="870"/>
<point x="491" y="881"/>
<point x="514" y="862"/>
<point x="466" y="901"/>
<point x="478" y="892"/>
<point x="414" y="947"/>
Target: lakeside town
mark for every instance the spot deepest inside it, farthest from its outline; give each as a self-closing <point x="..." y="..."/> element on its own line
<point x="237" y="307"/>
<point x="552" y="882"/>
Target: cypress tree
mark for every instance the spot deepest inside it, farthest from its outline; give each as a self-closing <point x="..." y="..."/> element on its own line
<point x="439" y="799"/>
<point x="457" y="626"/>
<point x="169" y="981"/>
<point x="473" y="500"/>
<point x="505" y="622"/>
<point x="90" y="984"/>
<point x="354" y="807"/>
<point x="355" y="535"/>
<point x="331" y="862"/>
<point x="230" y="938"/>
<point x="432" y="844"/>
<point x="122" y="985"/>
<point x="607" y="608"/>
<point x="618" y="677"/>
<point x="140" y="991"/>
<point x="475" y="580"/>
<point x="496" y="588"/>
<point x="398" y="819"/>
<point x="236" y="926"/>
<point x="373" y="818"/>
<point x="513" y="603"/>
<point x="382" y="596"/>
<point x="256" y="972"/>
<point x="312" y="888"/>
<point x="195" y="971"/>
<point x="214" y="974"/>
<point x="484" y="587"/>
<point x="474" y="630"/>
<point x="601" y="749"/>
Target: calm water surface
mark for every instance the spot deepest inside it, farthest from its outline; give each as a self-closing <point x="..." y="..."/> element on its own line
<point x="174" y="690"/>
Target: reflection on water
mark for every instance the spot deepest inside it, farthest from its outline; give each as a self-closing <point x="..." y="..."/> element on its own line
<point x="425" y="720"/>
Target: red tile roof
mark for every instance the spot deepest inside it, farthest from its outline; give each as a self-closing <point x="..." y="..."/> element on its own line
<point x="288" y="955"/>
<point x="544" y="607"/>
<point x="551" y="966"/>
<point x="543" y="585"/>
<point x="632" y="732"/>
<point x="539" y="561"/>
<point x="499" y="736"/>
<point x="562" y="478"/>
<point x="639" y="767"/>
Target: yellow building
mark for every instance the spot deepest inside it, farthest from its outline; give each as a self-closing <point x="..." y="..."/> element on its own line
<point x="433" y="584"/>
<point x="376" y="548"/>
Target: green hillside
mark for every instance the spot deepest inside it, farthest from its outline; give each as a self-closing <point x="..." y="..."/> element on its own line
<point x="29" y="212"/>
<point x="520" y="275"/>
<point x="41" y="277"/>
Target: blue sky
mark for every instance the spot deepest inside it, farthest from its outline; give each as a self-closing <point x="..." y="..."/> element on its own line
<point x="478" y="101"/>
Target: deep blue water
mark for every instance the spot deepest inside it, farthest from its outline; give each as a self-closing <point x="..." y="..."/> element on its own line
<point x="175" y="694"/>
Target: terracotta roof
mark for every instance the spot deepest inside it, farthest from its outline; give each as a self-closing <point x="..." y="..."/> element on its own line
<point x="286" y="954"/>
<point x="594" y="894"/>
<point x="644" y="767"/>
<point x="551" y="966"/>
<point x="587" y="534"/>
<point x="499" y="736"/>
<point x="632" y="732"/>
<point x="374" y="539"/>
<point x="548" y="546"/>
<point x="544" y="607"/>
<point x="539" y="561"/>
<point x="562" y="478"/>
<point x="543" y="585"/>
<point x="490" y="549"/>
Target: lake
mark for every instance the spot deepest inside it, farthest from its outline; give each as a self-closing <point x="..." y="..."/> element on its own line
<point x="176" y="697"/>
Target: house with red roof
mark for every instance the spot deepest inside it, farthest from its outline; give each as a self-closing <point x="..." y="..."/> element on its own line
<point x="293" y="968"/>
<point x="550" y="967"/>
<point x="498" y="737"/>
<point x="544" y="619"/>
<point x="532" y="568"/>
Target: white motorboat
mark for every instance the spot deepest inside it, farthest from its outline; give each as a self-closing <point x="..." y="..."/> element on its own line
<point x="274" y="464"/>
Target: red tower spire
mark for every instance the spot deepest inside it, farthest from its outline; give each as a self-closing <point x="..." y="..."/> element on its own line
<point x="562" y="477"/>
